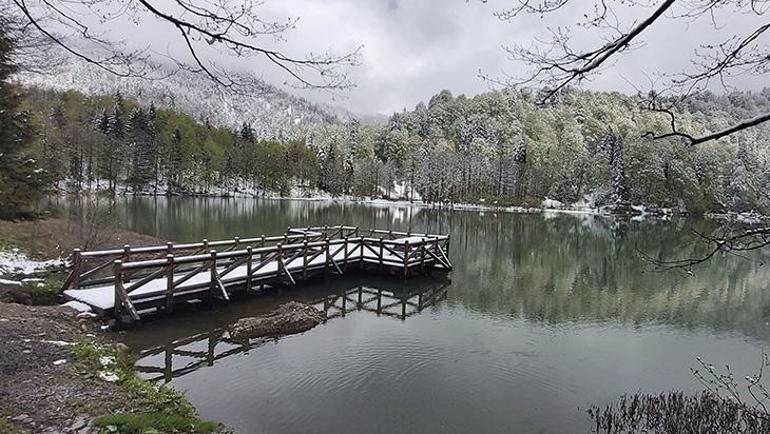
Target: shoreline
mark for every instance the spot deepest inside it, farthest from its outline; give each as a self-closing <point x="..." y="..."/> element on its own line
<point x="633" y="212"/>
<point x="62" y="370"/>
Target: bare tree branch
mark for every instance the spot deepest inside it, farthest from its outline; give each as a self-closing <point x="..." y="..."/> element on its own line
<point x="693" y="140"/>
<point x="559" y="65"/>
<point x="556" y="64"/>
<point x="732" y="243"/>
<point x="233" y="27"/>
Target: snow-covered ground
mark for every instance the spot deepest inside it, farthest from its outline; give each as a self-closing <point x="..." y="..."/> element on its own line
<point x="749" y="218"/>
<point x="244" y="189"/>
<point x="14" y="262"/>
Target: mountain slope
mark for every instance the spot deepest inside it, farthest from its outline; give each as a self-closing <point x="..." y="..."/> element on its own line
<point x="272" y="113"/>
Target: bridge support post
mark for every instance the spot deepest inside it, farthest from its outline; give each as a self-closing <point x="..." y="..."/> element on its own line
<point x="213" y="273"/>
<point x="117" y="272"/>
<point x="249" y="266"/>
<point x="170" y="283"/>
<point x="345" y="256"/>
<point x="406" y="258"/>
<point x="77" y="261"/>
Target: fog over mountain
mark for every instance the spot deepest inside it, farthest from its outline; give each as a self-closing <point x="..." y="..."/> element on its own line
<point x="271" y="112"/>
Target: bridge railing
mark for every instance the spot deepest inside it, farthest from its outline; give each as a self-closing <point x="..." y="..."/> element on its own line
<point x="262" y="264"/>
<point x="90" y="268"/>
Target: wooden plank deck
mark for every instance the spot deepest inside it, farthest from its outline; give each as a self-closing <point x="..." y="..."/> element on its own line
<point x="161" y="277"/>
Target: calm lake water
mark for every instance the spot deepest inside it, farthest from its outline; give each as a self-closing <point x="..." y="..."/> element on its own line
<point x="543" y="316"/>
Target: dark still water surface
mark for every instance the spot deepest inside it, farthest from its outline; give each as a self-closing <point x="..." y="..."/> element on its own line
<point x="543" y="316"/>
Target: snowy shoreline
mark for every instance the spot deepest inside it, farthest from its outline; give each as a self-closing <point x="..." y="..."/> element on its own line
<point x="586" y="206"/>
<point x="14" y="262"/>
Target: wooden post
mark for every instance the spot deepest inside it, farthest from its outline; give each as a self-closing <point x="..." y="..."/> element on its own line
<point x="304" y="260"/>
<point x="406" y="258"/>
<point x="422" y="257"/>
<point x="169" y="283"/>
<point x="205" y="245"/>
<point x="279" y="261"/>
<point x="361" y="245"/>
<point x="328" y="258"/>
<point x="261" y="259"/>
<point x="356" y="232"/>
<point x="126" y="258"/>
<point x="249" y="267"/>
<point x="77" y="261"/>
<point x="169" y="248"/>
<point x="117" y="272"/>
<point x="381" y="254"/>
<point x="345" y="257"/>
<point x="213" y="272"/>
<point x="237" y="242"/>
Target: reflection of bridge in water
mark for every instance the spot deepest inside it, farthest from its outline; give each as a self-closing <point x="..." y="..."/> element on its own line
<point x="188" y="354"/>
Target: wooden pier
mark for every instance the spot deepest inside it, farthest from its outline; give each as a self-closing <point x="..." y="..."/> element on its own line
<point x="131" y="281"/>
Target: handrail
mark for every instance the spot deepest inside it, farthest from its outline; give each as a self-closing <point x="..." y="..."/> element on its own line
<point x="222" y="255"/>
<point x="179" y="260"/>
<point x="294" y="239"/>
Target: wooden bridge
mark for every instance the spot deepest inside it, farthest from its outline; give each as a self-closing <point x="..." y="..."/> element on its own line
<point x="131" y="281"/>
<point x="187" y="354"/>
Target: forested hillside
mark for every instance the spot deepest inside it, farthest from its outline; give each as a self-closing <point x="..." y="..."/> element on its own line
<point x="498" y="147"/>
<point x="270" y="111"/>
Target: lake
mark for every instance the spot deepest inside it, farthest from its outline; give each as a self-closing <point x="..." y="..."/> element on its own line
<point x="543" y="316"/>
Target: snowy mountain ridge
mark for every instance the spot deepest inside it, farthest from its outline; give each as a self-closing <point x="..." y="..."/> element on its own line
<point x="272" y="113"/>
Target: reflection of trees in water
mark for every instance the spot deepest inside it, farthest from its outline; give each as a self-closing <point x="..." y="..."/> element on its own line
<point x="587" y="268"/>
<point x="186" y="354"/>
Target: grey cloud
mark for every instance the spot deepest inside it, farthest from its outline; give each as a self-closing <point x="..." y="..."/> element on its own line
<point x="414" y="48"/>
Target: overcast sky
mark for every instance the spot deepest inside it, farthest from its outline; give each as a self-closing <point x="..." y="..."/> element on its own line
<point x="412" y="49"/>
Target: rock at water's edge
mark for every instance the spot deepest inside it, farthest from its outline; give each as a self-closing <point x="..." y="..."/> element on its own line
<point x="289" y="318"/>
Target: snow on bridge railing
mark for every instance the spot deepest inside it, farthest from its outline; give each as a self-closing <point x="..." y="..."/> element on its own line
<point x="79" y="278"/>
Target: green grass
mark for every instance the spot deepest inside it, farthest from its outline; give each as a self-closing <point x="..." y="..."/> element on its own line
<point x="150" y="408"/>
<point x="146" y="423"/>
<point x="44" y="293"/>
<point x="6" y="427"/>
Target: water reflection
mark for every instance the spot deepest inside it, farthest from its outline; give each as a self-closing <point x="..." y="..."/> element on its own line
<point x="544" y="315"/>
<point x="179" y="356"/>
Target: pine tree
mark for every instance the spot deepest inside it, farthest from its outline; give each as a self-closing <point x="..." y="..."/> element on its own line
<point x="613" y="144"/>
<point x="142" y="149"/>
<point x="175" y="159"/>
<point x="21" y="180"/>
<point x="153" y="146"/>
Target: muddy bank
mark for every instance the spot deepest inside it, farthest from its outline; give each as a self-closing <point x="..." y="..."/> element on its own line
<point x="289" y="318"/>
<point x="60" y="371"/>
<point x="34" y="255"/>
<point x="39" y="392"/>
<point x="53" y="238"/>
